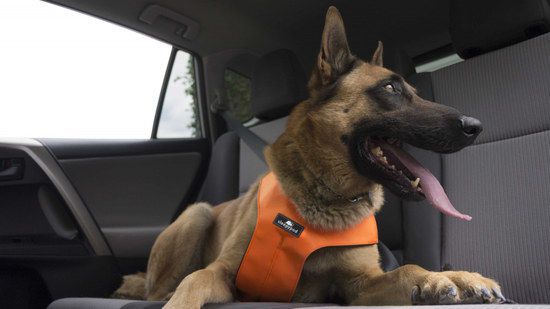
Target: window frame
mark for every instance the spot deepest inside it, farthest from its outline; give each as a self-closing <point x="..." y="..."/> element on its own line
<point x="200" y="96"/>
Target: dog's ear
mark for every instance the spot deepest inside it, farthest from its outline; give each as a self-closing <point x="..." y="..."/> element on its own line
<point x="377" y="57"/>
<point x="335" y="57"/>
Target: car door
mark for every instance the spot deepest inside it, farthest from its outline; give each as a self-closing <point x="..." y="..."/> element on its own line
<point x="133" y="188"/>
<point x="76" y="212"/>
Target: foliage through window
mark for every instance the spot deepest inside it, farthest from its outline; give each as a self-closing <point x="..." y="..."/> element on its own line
<point x="238" y="88"/>
<point x="180" y="116"/>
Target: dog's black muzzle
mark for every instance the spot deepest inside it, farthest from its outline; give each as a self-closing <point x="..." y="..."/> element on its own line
<point x="439" y="133"/>
<point x="429" y="126"/>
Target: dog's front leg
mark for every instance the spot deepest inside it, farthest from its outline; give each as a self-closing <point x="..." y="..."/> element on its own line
<point x="215" y="283"/>
<point x="212" y="284"/>
<point x="411" y="284"/>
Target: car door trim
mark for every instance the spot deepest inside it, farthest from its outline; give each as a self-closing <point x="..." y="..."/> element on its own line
<point x="40" y="154"/>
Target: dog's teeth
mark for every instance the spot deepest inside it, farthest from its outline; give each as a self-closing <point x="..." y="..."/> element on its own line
<point x="415" y="183"/>
<point x="377" y="151"/>
<point x="392" y="167"/>
<point x="384" y="159"/>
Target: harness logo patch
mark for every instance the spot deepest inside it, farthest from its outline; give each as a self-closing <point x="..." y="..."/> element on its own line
<point x="287" y="225"/>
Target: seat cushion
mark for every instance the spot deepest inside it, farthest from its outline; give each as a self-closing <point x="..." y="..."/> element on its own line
<point x="89" y="303"/>
<point x="103" y="303"/>
<point x="480" y="306"/>
<point x="106" y="303"/>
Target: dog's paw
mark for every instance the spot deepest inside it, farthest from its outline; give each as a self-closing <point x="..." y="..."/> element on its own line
<point x="435" y="288"/>
<point x="181" y="302"/>
<point x="198" y="288"/>
<point x="456" y="288"/>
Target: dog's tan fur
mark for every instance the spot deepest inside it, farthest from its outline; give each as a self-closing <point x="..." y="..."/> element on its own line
<point x="195" y="260"/>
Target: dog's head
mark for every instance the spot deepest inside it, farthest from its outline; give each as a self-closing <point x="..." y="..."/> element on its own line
<point x="371" y="111"/>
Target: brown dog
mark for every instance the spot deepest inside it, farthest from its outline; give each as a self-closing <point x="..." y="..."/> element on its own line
<point x="371" y="110"/>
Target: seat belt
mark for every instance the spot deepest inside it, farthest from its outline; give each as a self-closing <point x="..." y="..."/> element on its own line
<point x="251" y="139"/>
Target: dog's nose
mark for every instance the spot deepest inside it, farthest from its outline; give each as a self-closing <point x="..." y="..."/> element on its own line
<point x="470" y="126"/>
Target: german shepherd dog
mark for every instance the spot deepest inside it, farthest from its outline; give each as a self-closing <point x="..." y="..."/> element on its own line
<point x="371" y="110"/>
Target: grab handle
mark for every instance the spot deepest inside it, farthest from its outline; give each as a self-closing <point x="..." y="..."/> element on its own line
<point x="55" y="212"/>
<point x="152" y="12"/>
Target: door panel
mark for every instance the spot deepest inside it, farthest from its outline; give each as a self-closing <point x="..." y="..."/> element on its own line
<point x="88" y="210"/>
<point x="69" y="148"/>
<point x="133" y="189"/>
<point x="133" y="198"/>
<point x="50" y="245"/>
<point x="41" y="173"/>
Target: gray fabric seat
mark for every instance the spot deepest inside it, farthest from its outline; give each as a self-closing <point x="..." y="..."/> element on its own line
<point x="105" y="303"/>
<point x="502" y="180"/>
<point x="102" y="303"/>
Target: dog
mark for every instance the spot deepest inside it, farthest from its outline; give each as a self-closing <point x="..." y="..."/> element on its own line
<point x="372" y="111"/>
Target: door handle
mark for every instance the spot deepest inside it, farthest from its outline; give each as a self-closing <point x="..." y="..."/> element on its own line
<point x="55" y="212"/>
<point x="13" y="170"/>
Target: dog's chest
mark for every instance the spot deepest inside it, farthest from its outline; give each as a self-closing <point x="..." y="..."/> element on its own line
<point x="327" y="269"/>
<point x="317" y="282"/>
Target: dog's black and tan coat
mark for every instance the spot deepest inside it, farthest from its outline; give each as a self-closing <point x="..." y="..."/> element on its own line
<point x="341" y="144"/>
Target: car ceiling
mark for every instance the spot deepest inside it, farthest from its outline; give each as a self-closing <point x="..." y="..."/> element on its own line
<point x="415" y="27"/>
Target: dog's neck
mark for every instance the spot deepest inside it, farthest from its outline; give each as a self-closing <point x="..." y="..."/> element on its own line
<point x="326" y="196"/>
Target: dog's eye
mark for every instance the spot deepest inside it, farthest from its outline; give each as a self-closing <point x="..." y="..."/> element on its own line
<point x="389" y="87"/>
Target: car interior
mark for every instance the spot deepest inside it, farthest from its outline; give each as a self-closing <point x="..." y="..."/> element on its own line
<point x="78" y="214"/>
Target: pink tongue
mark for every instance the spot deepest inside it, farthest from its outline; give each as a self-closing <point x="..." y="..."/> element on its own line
<point x="431" y="188"/>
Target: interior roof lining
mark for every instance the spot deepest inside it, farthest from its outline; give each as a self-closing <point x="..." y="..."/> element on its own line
<point x="266" y="26"/>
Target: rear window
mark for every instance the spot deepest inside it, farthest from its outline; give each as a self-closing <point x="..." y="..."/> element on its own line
<point x="238" y="89"/>
<point x="180" y="116"/>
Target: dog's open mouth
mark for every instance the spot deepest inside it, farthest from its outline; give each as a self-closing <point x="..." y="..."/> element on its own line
<point x="406" y="174"/>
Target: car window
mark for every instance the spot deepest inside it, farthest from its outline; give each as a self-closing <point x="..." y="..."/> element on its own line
<point x="179" y="117"/>
<point x="238" y="89"/>
<point x="438" y="63"/>
<point x="93" y="79"/>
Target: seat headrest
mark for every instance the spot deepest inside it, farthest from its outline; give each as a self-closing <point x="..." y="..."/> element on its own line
<point x="278" y="83"/>
<point x="478" y="27"/>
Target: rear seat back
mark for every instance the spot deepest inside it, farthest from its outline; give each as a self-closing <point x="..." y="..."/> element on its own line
<point x="278" y="83"/>
<point x="502" y="180"/>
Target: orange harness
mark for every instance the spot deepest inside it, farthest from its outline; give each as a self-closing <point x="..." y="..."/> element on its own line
<point x="281" y="243"/>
